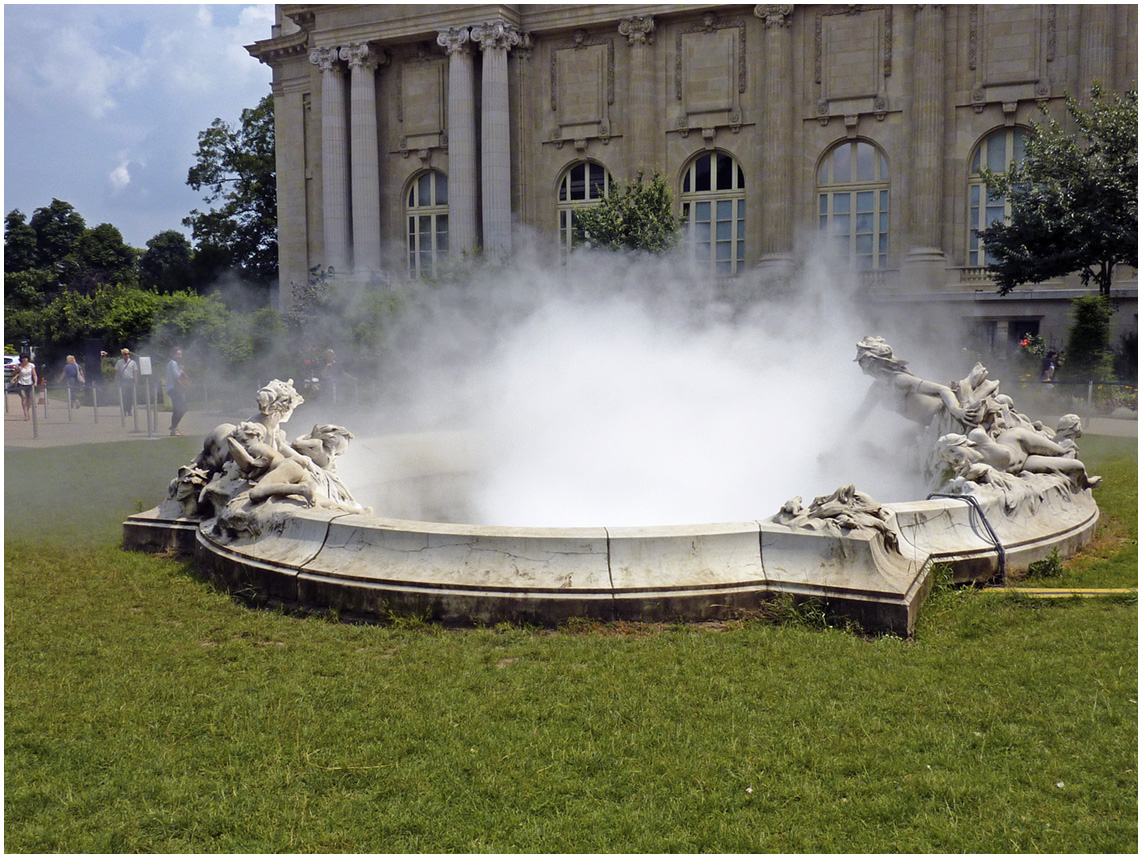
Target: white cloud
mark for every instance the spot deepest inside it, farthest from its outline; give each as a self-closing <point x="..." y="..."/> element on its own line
<point x="120" y="177"/>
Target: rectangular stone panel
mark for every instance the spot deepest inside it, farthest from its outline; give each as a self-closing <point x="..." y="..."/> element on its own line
<point x="423" y="97"/>
<point x="709" y="70"/>
<point x="851" y="54"/>
<point x="581" y="76"/>
<point x="1010" y="37"/>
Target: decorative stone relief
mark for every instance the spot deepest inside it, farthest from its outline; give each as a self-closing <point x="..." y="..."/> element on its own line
<point x="326" y="59"/>
<point x="839" y="514"/>
<point x="493" y="35"/>
<point x="421" y="107"/>
<point x="454" y="40"/>
<point x="774" y="14"/>
<point x="638" y="30"/>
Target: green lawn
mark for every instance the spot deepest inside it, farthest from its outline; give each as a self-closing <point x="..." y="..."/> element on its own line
<point x="146" y="712"/>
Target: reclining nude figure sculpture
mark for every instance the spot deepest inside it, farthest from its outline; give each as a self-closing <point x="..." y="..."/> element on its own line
<point x="244" y="465"/>
<point x="971" y="440"/>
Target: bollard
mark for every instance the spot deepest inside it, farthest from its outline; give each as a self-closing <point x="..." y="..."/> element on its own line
<point x="135" y="402"/>
<point x="95" y="401"/>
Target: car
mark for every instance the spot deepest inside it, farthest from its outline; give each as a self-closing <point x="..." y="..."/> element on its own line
<point x="10" y="362"/>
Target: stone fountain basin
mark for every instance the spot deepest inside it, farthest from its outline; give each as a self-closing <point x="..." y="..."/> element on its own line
<point x="376" y="568"/>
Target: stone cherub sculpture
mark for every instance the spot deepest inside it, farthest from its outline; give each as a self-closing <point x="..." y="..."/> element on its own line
<point x="243" y="465"/>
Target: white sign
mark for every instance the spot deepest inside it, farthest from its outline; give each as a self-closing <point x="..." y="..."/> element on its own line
<point x="144" y="366"/>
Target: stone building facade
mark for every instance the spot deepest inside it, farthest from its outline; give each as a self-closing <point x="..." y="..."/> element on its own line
<point x="407" y="135"/>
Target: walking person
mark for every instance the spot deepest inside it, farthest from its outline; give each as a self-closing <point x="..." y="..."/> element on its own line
<point x="177" y="384"/>
<point x="72" y="375"/>
<point x="26" y="381"/>
<point x="126" y="372"/>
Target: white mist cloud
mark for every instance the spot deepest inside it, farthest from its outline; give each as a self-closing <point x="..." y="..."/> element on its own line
<point x="614" y="393"/>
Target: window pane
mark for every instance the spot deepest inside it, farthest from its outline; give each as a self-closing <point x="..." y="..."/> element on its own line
<point x="722" y="230"/>
<point x="722" y="251"/>
<point x="424" y="190"/>
<point x="884" y="168"/>
<point x="412" y="196"/>
<point x="823" y="204"/>
<point x="741" y="180"/>
<point x="578" y="185"/>
<point x="883" y="222"/>
<point x="840" y="203"/>
<point x="976" y="161"/>
<point x="442" y="189"/>
<point x="841" y="163"/>
<point x="702" y="211"/>
<point x="741" y="209"/>
<point x="725" y="209"/>
<point x="725" y="172"/>
<point x="702" y="173"/>
<point x="687" y="183"/>
<point x="864" y="244"/>
<point x="741" y="230"/>
<point x="865" y="155"/>
<point x="841" y="225"/>
<point x="865" y="223"/>
<point x="996" y="155"/>
<point x="865" y="201"/>
<point x="702" y="231"/>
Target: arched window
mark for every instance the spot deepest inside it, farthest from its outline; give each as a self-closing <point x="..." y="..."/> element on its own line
<point x="426" y="210"/>
<point x="853" y="202"/>
<point x="582" y="186"/>
<point x="996" y="153"/>
<point x="714" y="212"/>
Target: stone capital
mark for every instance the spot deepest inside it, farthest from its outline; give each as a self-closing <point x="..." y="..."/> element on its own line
<point x="639" y="30"/>
<point x="774" y="14"/>
<point x="326" y="58"/>
<point x="363" y="56"/>
<point x="495" y="34"/>
<point x="454" y="40"/>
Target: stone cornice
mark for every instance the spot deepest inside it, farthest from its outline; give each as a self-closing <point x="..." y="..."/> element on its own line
<point x="280" y="48"/>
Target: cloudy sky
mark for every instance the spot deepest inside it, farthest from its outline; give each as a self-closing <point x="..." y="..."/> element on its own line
<point x="103" y="104"/>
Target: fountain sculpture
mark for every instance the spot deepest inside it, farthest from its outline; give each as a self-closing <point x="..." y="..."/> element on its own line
<point x="271" y="519"/>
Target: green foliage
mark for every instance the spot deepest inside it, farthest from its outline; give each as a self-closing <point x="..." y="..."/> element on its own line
<point x="1074" y="198"/>
<point x="236" y="167"/>
<point x="103" y="258"/>
<point x="167" y="263"/>
<point x="58" y="228"/>
<point x="19" y="243"/>
<point x="635" y="216"/>
<point x="1087" y="357"/>
<point x="28" y="289"/>
<point x="1126" y="358"/>
<point x="347" y="316"/>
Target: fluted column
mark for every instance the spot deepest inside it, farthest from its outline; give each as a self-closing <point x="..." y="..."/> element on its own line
<point x="495" y="39"/>
<point x="777" y="136"/>
<point x="1097" y="48"/>
<point x="640" y="34"/>
<point x="462" y="213"/>
<point x="366" y="193"/>
<point x="335" y="160"/>
<point x="928" y="127"/>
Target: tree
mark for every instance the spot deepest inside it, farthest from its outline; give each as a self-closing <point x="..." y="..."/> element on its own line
<point x="1074" y="198"/>
<point x="1087" y="356"/>
<point x="58" y="227"/>
<point x="104" y="258"/>
<point x="166" y="265"/>
<point x="635" y="216"/>
<point x="236" y="168"/>
<point x="19" y="243"/>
